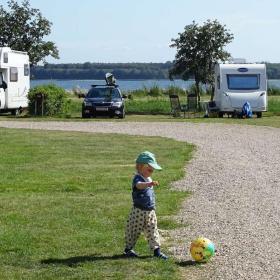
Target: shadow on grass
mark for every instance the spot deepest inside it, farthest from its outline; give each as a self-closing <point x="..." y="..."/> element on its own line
<point x="75" y="261"/>
<point x="187" y="263"/>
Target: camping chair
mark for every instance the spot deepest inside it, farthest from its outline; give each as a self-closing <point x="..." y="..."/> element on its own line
<point x="176" y="107"/>
<point x="192" y="104"/>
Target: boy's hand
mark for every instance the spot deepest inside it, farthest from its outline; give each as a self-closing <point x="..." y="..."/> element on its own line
<point x="154" y="183"/>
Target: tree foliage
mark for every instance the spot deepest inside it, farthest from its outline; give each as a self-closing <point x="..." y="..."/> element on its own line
<point x="23" y="28"/>
<point x="198" y="49"/>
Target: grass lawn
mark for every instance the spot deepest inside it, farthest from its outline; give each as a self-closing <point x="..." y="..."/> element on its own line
<point x="268" y="119"/>
<point x="157" y="109"/>
<point x="65" y="197"/>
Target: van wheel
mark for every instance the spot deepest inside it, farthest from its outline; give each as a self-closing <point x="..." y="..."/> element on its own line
<point x="259" y="114"/>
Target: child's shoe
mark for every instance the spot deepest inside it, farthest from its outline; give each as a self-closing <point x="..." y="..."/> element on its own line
<point x="159" y="254"/>
<point x="130" y="253"/>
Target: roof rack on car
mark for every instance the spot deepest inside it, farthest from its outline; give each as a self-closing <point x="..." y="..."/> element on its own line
<point x="105" y="85"/>
<point x="110" y="81"/>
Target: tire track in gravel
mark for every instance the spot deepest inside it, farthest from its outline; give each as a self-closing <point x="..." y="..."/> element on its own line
<point x="234" y="178"/>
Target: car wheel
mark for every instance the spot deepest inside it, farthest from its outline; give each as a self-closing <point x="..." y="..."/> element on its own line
<point x="85" y="116"/>
<point x="122" y="115"/>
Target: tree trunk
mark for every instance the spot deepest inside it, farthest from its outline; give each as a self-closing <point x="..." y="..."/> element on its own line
<point x="212" y="92"/>
<point x="197" y="90"/>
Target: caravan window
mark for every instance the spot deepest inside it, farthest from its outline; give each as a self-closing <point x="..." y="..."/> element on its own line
<point x="13" y="74"/>
<point x="243" y="82"/>
<point x="26" y="70"/>
<point x="6" y="57"/>
<point x="218" y="82"/>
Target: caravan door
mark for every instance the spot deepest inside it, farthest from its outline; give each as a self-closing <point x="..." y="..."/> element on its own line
<point x="18" y="88"/>
<point x="3" y="87"/>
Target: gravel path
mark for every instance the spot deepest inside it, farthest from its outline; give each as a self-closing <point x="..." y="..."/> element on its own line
<point x="234" y="177"/>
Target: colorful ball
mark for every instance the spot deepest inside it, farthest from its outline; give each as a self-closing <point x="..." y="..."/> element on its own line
<point x="202" y="249"/>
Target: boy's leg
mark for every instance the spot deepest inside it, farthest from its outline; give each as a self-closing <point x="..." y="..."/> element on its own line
<point x="151" y="230"/>
<point x="153" y="235"/>
<point x="134" y="226"/>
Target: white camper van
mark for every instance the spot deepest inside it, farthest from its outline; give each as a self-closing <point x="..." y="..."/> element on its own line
<point x="236" y="84"/>
<point x="14" y="80"/>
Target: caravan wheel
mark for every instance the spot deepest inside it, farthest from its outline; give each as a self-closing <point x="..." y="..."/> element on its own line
<point x="16" y="112"/>
<point x="220" y="114"/>
<point x="259" y="114"/>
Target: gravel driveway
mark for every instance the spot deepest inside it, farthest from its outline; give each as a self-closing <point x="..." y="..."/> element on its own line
<point x="234" y="177"/>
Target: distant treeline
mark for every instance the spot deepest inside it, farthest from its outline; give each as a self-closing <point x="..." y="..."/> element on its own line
<point x="98" y="70"/>
<point x="132" y="71"/>
<point x="273" y="70"/>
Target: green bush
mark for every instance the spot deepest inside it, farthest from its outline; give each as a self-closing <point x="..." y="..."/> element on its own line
<point x="273" y="91"/>
<point x="274" y="105"/>
<point x="155" y="91"/>
<point x="148" y="106"/>
<point x="175" y="90"/>
<point x="192" y="89"/>
<point x="55" y="101"/>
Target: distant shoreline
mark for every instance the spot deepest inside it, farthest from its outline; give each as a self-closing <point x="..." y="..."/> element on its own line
<point x="127" y="84"/>
<point x="122" y="71"/>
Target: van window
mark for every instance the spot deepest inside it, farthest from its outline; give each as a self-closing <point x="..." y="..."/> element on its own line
<point x="13" y="74"/>
<point x="243" y="82"/>
<point x="6" y="57"/>
<point x="26" y="70"/>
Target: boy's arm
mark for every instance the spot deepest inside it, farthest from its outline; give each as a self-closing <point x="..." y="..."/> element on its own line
<point x="144" y="185"/>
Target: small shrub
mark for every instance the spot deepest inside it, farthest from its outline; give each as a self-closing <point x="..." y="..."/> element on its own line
<point x="55" y="101"/>
<point x="273" y="91"/>
<point x="192" y="89"/>
<point x="155" y="91"/>
<point x="152" y="106"/>
<point x="274" y="105"/>
<point x="137" y="93"/>
<point x="175" y="90"/>
<point x="78" y="92"/>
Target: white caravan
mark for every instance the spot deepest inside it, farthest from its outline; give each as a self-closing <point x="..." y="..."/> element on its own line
<point x="14" y="80"/>
<point x="236" y="84"/>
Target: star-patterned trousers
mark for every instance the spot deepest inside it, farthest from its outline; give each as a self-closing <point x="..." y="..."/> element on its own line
<point x="142" y="221"/>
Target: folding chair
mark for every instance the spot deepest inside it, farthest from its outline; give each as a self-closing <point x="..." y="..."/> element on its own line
<point x="176" y="107"/>
<point x="192" y="104"/>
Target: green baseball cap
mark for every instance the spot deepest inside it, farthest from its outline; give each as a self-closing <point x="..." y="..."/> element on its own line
<point x="148" y="158"/>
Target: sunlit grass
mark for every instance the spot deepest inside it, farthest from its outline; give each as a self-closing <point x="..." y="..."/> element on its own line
<point x="65" y="198"/>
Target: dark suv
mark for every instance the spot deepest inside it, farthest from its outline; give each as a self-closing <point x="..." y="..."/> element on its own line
<point x="104" y="100"/>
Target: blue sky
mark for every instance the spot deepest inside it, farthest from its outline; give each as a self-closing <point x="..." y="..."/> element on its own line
<point x="141" y="31"/>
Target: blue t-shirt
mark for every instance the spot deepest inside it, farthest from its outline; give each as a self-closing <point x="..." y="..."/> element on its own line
<point x="143" y="199"/>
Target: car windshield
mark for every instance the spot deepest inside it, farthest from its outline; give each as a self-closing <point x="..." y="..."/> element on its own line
<point x="107" y="93"/>
<point x="243" y="82"/>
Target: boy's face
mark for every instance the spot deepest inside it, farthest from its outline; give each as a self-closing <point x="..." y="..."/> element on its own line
<point x="147" y="170"/>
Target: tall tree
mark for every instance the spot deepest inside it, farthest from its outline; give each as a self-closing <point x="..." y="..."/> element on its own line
<point x="23" y="28"/>
<point x="198" y="49"/>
